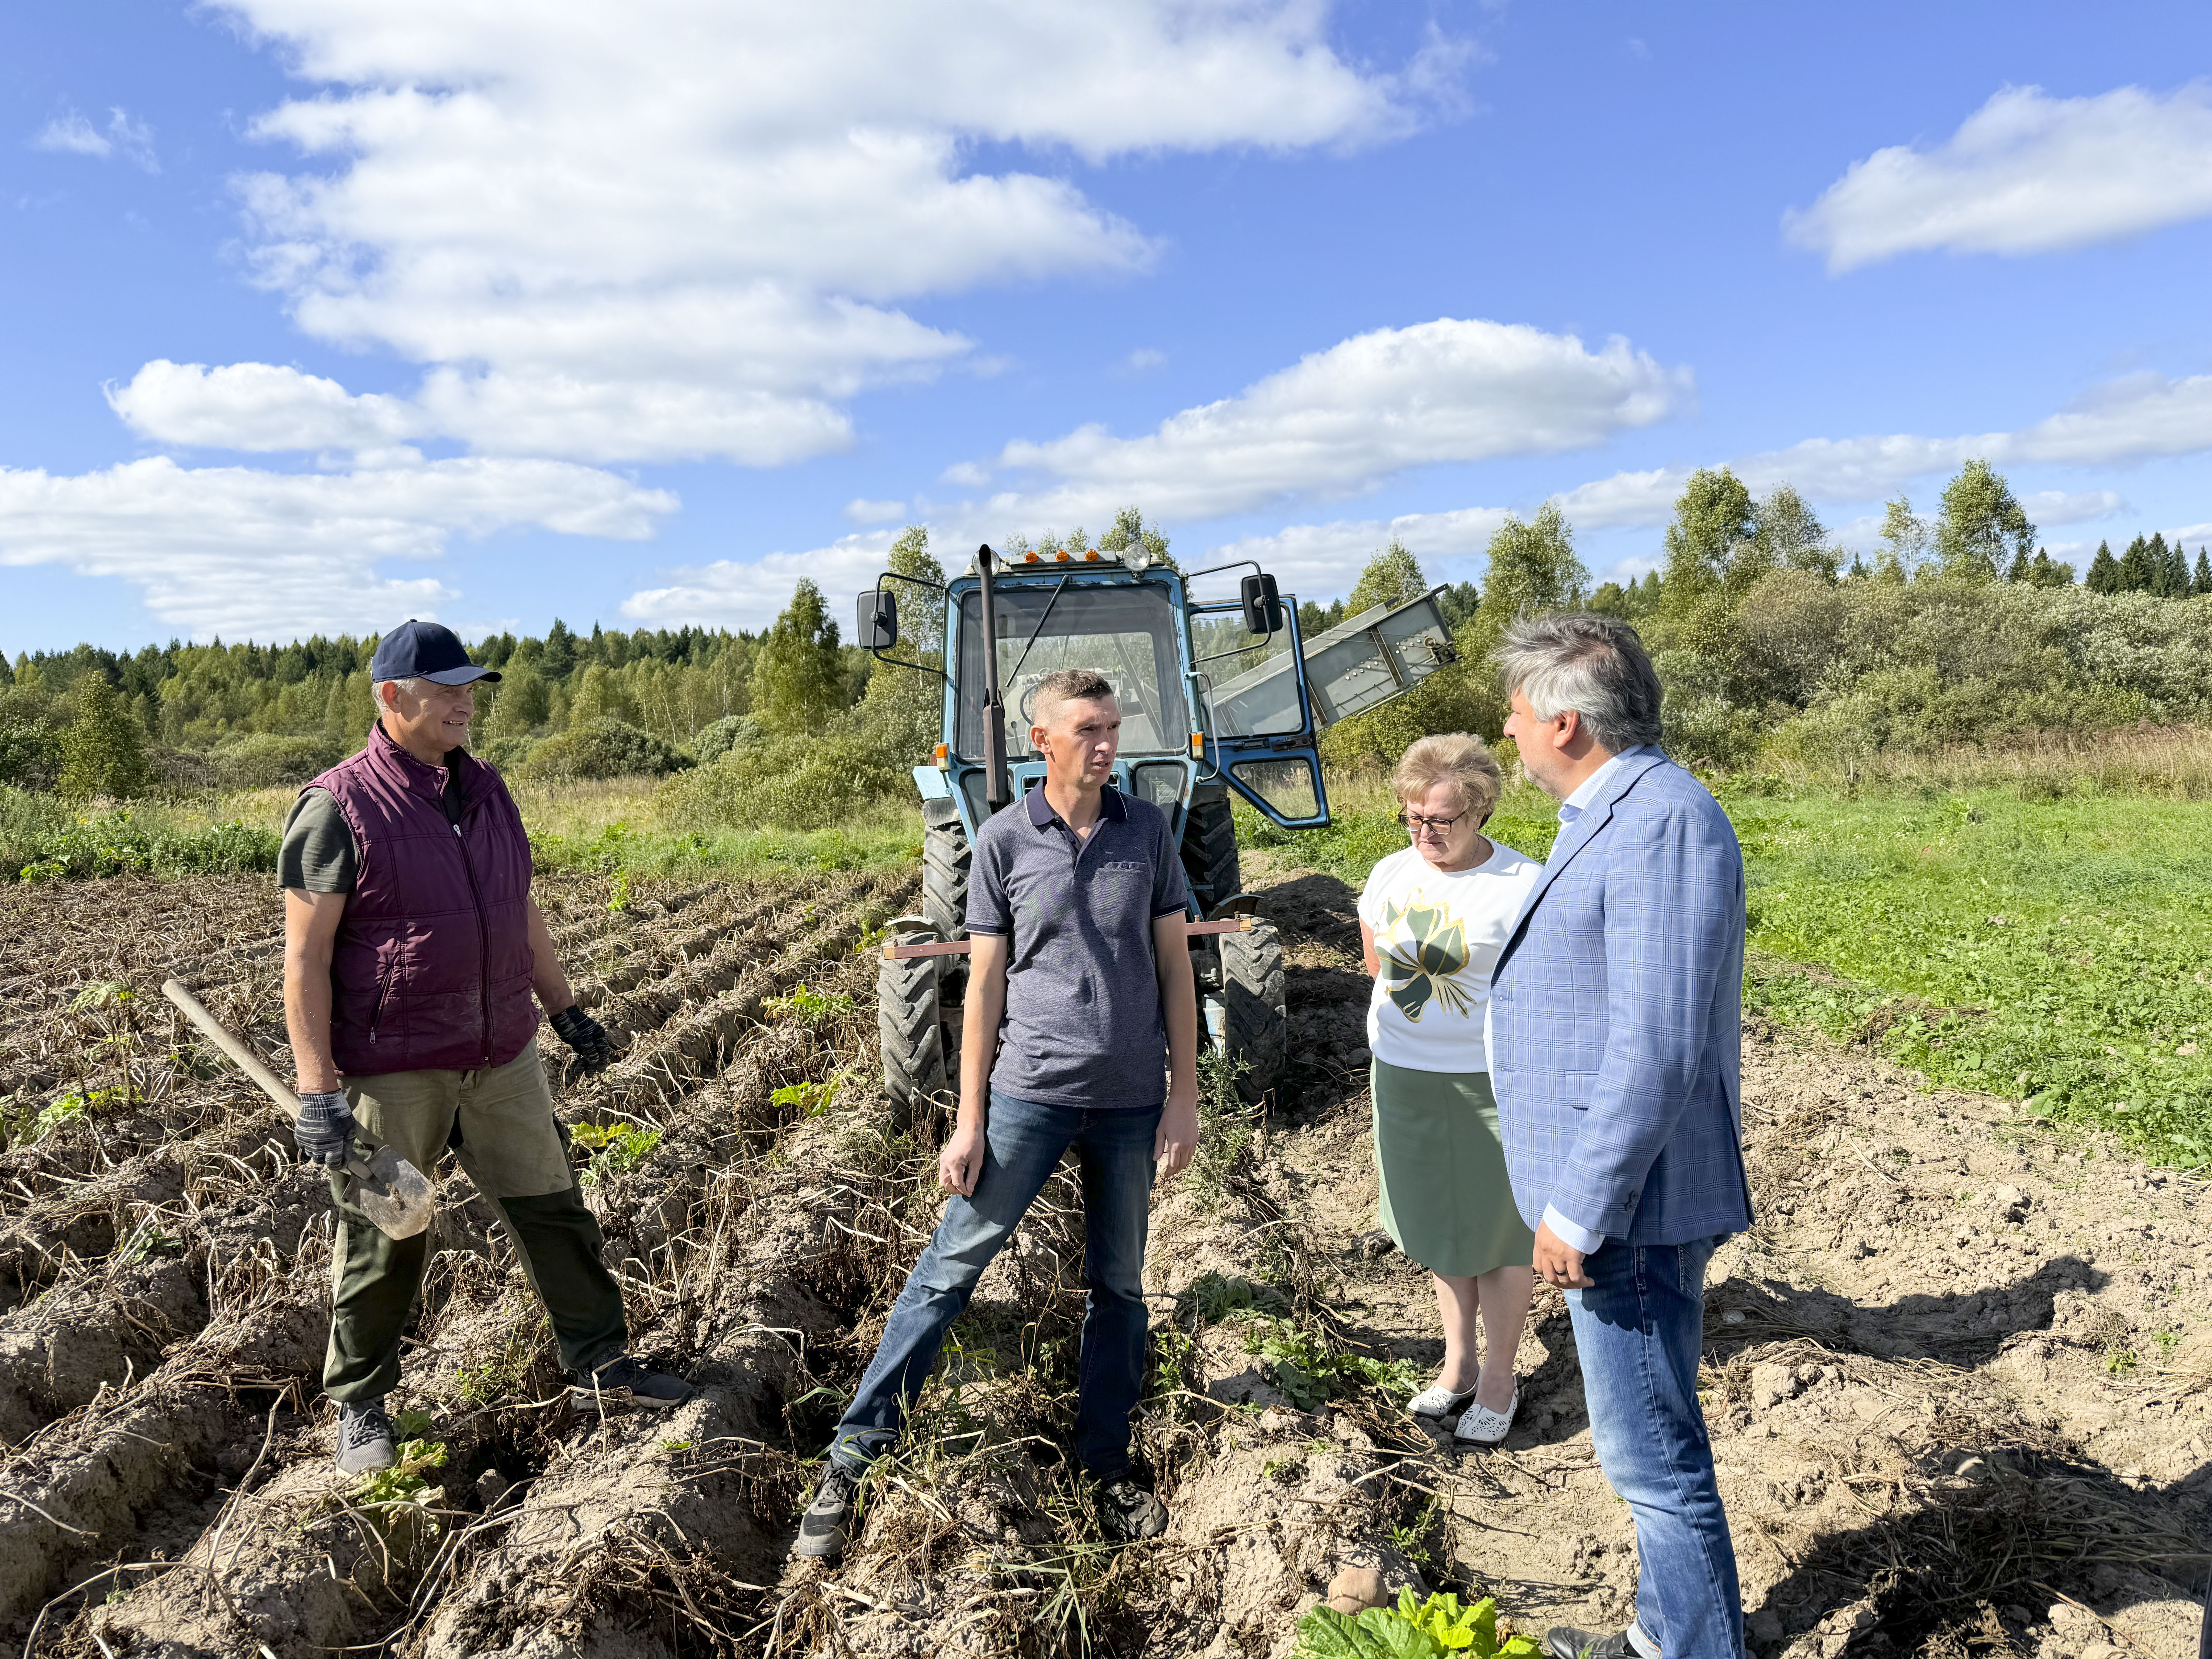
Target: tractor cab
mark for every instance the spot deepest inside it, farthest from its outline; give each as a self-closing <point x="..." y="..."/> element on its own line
<point x="1221" y="700"/>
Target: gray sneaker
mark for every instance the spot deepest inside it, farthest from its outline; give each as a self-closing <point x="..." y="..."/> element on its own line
<point x="1126" y="1512"/>
<point x="1566" y="1642"/>
<point x="366" y="1440"/>
<point x="825" y="1530"/>
<point x="628" y="1382"/>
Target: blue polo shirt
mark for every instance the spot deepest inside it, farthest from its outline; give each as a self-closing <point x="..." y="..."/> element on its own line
<point x="1082" y="1025"/>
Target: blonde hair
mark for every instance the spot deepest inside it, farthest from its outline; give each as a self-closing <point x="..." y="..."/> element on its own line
<point x="1455" y="758"/>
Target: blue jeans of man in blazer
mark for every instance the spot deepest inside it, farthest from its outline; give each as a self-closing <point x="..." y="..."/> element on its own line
<point x="1615" y="1054"/>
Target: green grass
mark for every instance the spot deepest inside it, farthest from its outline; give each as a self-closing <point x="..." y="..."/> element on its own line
<point x="609" y="828"/>
<point x="45" y="838"/>
<point x="2055" y="951"/>
<point x="2058" y="951"/>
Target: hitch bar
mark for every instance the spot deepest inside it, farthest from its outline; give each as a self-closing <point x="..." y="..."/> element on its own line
<point x="960" y="947"/>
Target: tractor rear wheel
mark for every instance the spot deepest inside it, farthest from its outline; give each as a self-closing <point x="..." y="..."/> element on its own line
<point x="911" y="1026"/>
<point x="1209" y="848"/>
<point x="1246" y="1019"/>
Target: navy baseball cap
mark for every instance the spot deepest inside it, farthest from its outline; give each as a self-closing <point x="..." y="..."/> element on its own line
<point x="426" y="651"/>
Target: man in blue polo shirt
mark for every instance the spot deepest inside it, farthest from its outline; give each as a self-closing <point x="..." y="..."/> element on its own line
<point x="1079" y="978"/>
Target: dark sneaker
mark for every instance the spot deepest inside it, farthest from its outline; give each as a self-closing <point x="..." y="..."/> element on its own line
<point x="1566" y="1642"/>
<point x="628" y="1382"/>
<point x="1126" y="1512"/>
<point x="366" y="1440"/>
<point x="823" y="1529"/>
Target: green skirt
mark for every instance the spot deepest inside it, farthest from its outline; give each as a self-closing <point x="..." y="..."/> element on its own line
<point x="1446" y="1201"/>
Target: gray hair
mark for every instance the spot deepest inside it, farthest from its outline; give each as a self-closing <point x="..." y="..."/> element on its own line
<point x="1593" y="664"/>
<point x="411" y="686"/>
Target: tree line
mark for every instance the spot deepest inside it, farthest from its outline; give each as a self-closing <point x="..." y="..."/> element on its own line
<point x="1770" y="640"/>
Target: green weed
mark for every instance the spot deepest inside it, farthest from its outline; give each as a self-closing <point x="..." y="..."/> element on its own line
<point x="812" y="1099"/>
<point x="811" y="1008"/>
<point x="1311" y="1373"/>
<point x="616" y="1149"/>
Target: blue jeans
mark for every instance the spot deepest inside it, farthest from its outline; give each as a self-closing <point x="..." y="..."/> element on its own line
<point x="1638" y="1330"/>
<point x="1023" y="1143"/>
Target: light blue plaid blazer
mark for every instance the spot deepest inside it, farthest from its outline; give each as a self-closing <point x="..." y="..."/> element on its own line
<point x="1616" y="1045"/>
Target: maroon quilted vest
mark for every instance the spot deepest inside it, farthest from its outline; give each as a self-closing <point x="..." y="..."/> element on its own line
<point x="431" y="967"/>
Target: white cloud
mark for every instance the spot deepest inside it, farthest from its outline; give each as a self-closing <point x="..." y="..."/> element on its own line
<point x="2137" y="418"/>
<point x="1343" y="421"/>
<point x="2049" y="507"/>
<point x="258" y="406"/>
<point x="2024" y="173"/>
<point x="748" y="594"/>
<point x="1143" y="358"/>
<point x="72" y="135"/>
<point x="663" y="230"/>
<point x="1321" y="561"/>
<point x="2200" y="533"/>
<point x="860" y="510"/>
<point x="251" y="554"/>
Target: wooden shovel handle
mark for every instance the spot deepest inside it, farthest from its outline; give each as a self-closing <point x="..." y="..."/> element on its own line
<point x="243" y="1057"/>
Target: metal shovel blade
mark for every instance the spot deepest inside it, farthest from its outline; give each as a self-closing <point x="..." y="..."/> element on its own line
<point x="391" y="1192"/>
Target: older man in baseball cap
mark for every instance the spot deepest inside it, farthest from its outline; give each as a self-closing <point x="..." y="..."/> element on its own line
<point x="412" y="948"/>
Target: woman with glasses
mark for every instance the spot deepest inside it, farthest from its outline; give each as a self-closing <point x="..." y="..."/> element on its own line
<point x="1432" y="920"/>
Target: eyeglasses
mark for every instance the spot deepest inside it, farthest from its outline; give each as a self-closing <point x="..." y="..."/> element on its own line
<point x="1418" y="823"/>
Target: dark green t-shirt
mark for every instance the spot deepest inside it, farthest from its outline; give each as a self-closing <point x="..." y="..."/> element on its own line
<point x="319" y="855"/>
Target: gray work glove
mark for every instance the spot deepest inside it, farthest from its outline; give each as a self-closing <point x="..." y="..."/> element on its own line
<point x="324" y="1129"/>
<point x="585" y="1036"/>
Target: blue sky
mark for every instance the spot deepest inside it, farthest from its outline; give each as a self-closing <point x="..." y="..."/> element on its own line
<point x="318" y="313"/>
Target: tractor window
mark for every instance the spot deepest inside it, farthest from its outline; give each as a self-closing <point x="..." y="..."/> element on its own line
<point x="1127" y="634"/>
<point x="1251" y="681"/>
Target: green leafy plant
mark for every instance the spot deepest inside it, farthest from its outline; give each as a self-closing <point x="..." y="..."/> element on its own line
<point x="99" y="994"/>
<point x="811" y="1008"/>
<point x="148" y="1238"/>
<point x="1311" y="1373"/>
<point x="812" y="1099"/>
<point x="401" y="1501"/>
<point x="1414" y="1629"/>
<point x="619" y="900"/>
<point x="2119" y="1361"/>
<point x="616" y="1148"/>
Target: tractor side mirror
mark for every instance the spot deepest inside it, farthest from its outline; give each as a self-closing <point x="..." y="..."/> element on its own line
<point x="878" y="620"/>
<point x="1263" y="607"/>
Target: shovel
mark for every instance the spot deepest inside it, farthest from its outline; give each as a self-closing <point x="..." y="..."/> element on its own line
<point x="389" y="1190"/>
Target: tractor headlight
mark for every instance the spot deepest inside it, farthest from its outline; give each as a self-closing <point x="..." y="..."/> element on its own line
<point x="1140" y="561"/>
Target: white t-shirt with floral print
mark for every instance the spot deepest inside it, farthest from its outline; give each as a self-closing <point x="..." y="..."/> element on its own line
<point x="1437" y="934"/>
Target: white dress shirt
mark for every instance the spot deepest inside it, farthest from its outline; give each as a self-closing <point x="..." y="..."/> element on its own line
<point x="1573" y="1233"/>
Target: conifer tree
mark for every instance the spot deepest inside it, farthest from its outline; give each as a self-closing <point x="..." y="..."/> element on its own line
<point x="2201" y="583"/>
<point x="2173" y="568"/>
<point x="2019" y="570"/>
<point x="2104" y="575"/>
<point x="2138" y="572"/>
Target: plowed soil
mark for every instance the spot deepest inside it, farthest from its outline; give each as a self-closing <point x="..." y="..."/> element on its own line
<point x="1957" y="1374"/>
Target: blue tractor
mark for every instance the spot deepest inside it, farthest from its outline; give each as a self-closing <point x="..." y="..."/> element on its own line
<point x="1220" y="700"/>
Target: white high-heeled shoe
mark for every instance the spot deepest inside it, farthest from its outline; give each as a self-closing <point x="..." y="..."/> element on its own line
<point x="1481" y="1426"/>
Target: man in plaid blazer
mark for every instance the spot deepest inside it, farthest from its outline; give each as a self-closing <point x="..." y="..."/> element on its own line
<point x="1615" y="1053"/>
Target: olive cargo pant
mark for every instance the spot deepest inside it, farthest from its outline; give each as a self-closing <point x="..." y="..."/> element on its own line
<point x="500" y="1123"/>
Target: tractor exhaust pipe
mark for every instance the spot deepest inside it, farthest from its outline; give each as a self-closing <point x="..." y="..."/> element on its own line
<point x="997" y="791"/>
